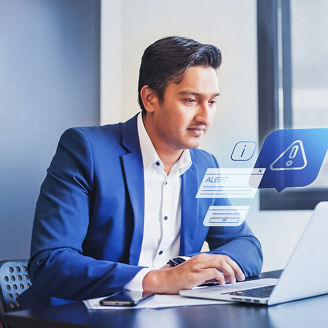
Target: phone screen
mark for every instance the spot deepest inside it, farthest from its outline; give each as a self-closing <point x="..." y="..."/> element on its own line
<point x="126" y="298"/>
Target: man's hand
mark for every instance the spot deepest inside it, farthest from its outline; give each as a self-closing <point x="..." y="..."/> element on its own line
<point x="191" y="273"/>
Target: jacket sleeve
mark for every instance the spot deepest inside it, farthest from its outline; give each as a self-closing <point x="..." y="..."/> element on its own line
<point x="57" y="266"/>
<point x="238" y="242"/>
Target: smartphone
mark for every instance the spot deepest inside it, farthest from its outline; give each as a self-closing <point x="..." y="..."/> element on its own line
<point x="125" y="298"/>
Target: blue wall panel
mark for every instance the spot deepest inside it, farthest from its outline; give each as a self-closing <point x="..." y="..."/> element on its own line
<point x="49" y="81"/>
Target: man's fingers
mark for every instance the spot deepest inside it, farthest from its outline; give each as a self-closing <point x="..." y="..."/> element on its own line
<point x="238" y="272"/>
<point x="214" y="274"/>
<point x="229" y="273"/>
<point x="222" y="263"/>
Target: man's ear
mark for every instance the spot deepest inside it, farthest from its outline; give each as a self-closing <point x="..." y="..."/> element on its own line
<point x="149" y="98"/>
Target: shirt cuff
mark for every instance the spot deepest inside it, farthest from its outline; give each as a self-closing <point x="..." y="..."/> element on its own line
<point x="136" y="283"/>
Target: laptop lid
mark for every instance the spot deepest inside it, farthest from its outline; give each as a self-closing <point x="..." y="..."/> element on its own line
<point x="306" y="272"/>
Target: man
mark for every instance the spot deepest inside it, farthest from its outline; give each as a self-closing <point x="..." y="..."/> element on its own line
<point x="119" y="200"/>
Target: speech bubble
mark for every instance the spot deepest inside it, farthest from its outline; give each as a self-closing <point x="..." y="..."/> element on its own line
<point x="292" y="157"/>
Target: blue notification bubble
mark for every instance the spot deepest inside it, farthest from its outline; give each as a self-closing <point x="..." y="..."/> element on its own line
<point x="292" y="157"/>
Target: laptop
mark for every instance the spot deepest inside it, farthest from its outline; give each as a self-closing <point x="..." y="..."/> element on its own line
<point x="305" y="274"/>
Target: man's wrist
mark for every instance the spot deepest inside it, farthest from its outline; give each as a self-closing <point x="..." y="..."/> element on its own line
<point x="151" y="281"/>
<point x="135" y="284"/>
<point x="155" y="281"/>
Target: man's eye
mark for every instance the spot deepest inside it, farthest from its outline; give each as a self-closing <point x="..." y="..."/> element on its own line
<point x="189" y="100"/>
<point x="212" y="102"/>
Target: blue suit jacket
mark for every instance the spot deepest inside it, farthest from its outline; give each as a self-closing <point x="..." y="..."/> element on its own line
<point x="88" y="225"/>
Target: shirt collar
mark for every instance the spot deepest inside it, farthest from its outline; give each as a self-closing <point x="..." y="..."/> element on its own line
<point x="149" y="154"/>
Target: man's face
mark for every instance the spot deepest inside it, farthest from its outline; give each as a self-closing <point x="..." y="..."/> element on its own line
<point x="181" y="120"/>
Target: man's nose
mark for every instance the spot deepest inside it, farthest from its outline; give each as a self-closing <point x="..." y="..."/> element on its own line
<point x="203" y="113"/>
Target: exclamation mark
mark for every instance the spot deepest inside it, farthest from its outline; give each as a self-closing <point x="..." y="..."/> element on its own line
<point x="292" y="155"/>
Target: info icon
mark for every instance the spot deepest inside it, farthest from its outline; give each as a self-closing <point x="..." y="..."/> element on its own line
<point x="243" y="151"/>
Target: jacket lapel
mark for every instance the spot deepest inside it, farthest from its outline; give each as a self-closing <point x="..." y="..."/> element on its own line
<point x="134" y="174"/>
<point x="189" y="209"/>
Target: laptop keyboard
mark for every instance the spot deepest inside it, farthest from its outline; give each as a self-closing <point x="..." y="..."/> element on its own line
<point x="261" y="292"/>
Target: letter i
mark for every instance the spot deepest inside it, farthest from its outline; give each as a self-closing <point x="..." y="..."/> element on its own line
<point x="242" y="153"/>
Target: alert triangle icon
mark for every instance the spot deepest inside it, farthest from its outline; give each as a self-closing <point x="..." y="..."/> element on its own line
<point x="292" y="158"/>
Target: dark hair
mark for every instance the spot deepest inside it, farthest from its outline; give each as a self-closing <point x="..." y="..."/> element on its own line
<point x="167" y="59"/>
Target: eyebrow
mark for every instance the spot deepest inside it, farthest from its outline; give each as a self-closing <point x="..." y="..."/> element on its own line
<point x="182" y="93"/>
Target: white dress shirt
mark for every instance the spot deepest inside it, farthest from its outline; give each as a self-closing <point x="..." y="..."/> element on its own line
<point x="162" y="208"/>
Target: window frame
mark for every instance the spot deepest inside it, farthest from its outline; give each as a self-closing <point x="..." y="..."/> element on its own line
<point x="275" y="69"/>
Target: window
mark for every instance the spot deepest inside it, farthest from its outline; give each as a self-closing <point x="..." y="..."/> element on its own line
<point x="293" y="84"/>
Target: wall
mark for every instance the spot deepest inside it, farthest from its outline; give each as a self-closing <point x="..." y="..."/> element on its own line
<point x="231" y="25"/>
<point x="49" y="81"/>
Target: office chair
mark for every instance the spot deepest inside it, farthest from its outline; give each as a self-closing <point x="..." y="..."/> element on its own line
<point x="14" y="280"/>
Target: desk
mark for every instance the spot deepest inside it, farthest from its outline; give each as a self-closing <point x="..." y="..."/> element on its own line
<point x="311" y="312"/>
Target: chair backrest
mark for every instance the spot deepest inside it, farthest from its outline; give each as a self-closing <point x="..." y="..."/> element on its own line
<point x="14" y="280"/>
